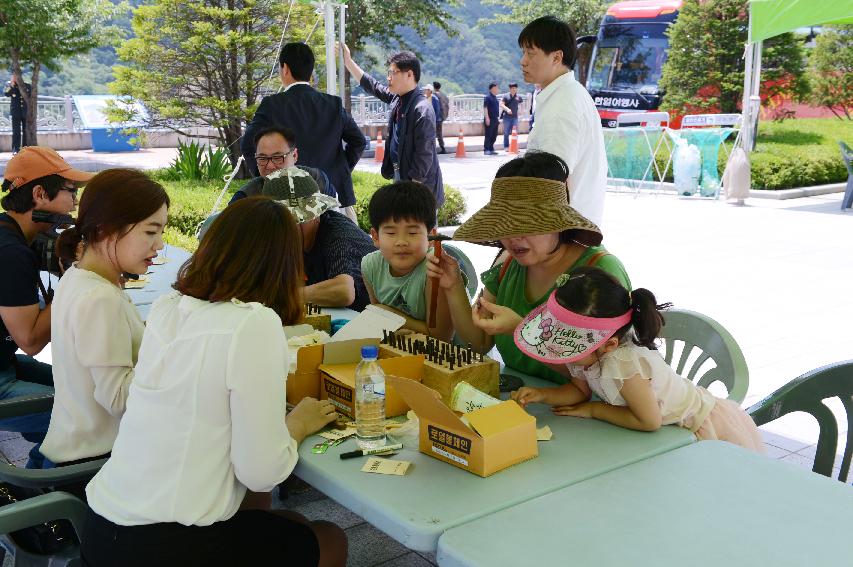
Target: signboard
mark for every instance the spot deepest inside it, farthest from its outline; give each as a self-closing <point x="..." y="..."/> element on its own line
<point x="92" y="110"/>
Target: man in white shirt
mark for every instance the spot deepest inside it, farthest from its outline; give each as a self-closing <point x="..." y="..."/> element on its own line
<point x="567" y="122"/>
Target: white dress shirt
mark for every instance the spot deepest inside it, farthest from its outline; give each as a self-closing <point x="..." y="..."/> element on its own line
<point x="567" y="125"/>
<point x="95" y="337"/>
<point x="205" y="416"/>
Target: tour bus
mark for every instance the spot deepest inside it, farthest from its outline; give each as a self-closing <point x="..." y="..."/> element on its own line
<point x="622" y="65"/>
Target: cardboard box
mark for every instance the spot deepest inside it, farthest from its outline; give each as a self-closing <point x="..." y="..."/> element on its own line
<point x="304" y="382"/>
<point x="500" y="436"/>
<point x="485" y="375"/>
<point x="337" y="376"/>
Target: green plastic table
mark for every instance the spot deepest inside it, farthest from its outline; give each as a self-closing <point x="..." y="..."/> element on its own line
<point x="708" y="504"/>
<point x="434" y="496"/>
<point x="160" y="280"/>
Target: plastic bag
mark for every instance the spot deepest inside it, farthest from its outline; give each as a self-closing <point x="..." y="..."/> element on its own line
<point x="687" y="163"/>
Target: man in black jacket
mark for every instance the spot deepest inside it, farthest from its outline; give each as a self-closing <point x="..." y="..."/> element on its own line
<point x="18" y="112"/>
<point x="319" y="121"/>
<point x="410" y="148"/>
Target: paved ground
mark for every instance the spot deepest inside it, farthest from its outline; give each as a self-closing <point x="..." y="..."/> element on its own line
<point x="776" y="274"/>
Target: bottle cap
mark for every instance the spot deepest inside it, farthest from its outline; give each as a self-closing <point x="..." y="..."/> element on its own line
<point x="369" y="351"/>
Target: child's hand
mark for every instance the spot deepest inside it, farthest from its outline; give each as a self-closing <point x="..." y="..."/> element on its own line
<point x="494" y="319"/>
<point x="583" y="409"/>
<point x="526" y="395"/>
<point x="445" y="270"/>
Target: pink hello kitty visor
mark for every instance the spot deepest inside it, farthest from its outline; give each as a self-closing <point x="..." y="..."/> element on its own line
<point x="553" y="334"/>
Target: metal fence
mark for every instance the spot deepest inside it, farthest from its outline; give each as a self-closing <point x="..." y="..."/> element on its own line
<point x="53" y="114"/>
<point x="369" y="110"/>
<point x="58" y="114"/>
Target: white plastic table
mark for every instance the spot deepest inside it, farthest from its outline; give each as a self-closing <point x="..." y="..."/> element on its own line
<point x="434" y="496"/>
<point x="708" y="504"/>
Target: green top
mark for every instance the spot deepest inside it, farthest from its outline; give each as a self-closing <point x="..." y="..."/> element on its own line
<point x="510" y="293"/>
<point x="404" y="293"/>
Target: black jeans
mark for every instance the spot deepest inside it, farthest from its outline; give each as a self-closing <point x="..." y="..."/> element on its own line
<point x="19" y="132"/>
<point x="439" y="135"/>
<point x="491" y="135"/>
<point x="250" y="537"/>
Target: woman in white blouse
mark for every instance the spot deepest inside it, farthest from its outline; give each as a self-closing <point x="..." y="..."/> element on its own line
<point x="96" y="329"/>
<point x="205" y="421"/>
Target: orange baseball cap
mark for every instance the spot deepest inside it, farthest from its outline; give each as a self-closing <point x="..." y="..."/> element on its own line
<point x="34" y="162"/>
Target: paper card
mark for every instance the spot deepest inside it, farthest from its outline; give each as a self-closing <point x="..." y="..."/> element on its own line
<point x="385" y="466"/>
<point x="369" y="324"/>
<point x="159" y="260"/>
<point x="544" y="434"/>
<point x="335" y="434"/>
<point x="136" y="284"/>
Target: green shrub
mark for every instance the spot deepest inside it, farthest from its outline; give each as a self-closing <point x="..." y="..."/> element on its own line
<point x="365" y="184"/>
<point x="195" y="162"/>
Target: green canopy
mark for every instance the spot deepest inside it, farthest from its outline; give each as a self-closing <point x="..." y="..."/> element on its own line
<point x="769" y="18"/>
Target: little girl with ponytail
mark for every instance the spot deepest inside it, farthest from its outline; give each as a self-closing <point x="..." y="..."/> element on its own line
<point x="605" y="337"/>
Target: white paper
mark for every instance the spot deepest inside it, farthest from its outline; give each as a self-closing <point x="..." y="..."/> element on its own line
<point x="369" y="325"/>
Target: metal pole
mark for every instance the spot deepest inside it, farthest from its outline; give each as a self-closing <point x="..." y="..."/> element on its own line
<point x="746" y="125"/>
<point x="329" y="24"/>
<point x="342" y="39"/>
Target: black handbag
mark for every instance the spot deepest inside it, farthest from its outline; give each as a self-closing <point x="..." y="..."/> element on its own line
<point x="44" y="539"/>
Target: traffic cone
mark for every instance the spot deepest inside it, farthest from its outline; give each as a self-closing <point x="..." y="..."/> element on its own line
<point x="460" y="145"/>
<point x="379" y="153"/>
<point x="513" y="141"/>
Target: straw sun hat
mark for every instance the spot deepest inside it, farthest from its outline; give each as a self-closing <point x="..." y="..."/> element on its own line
<point x="524" y="206"/>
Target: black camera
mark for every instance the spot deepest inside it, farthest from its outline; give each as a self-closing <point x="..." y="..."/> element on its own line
<point x="44" y="244"/>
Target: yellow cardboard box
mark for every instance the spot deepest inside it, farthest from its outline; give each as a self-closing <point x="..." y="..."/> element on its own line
<point x="500" y="436"/>
<point x="337" y="376"/>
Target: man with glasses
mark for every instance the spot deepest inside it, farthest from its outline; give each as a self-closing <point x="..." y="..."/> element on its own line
<point x="329" y="138"/>
<point x="275" y="148"/>
<point x="410" y="148"/>
<point x="36" y="178"/>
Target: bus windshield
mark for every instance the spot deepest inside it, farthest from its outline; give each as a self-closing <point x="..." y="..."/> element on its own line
<point x="629" y="57"/>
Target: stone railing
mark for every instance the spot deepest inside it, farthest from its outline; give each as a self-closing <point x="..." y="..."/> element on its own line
<point x="53" y="114"/>
<point x="368" y="110"/>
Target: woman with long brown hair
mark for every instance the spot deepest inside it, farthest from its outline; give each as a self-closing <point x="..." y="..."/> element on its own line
<point x="205" y="421"/>
<point x="96" y="330"/>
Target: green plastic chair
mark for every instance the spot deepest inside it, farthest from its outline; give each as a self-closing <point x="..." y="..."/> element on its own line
<point x="847" y="156"/>
<point x="700" y="332"/>
<point x="806" y="394"/>
<point x="469" y="273"/>
<point x="51" y="504"/>
<point x="39" y="510"/>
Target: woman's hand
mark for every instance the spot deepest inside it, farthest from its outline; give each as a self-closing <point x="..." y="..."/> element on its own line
<point x="527" y="395"/>
<point x="583" y="409"/>
<point x="309" y="416"/>
<point x="494" y="319"/>
<point x="444" y="270"/>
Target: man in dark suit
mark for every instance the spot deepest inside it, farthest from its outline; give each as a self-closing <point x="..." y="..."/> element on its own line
<point x="410" y="148"/>
<point x="18" y="112"/>
<point x="319" y="121"/>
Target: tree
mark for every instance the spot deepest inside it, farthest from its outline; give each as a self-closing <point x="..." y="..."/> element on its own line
<point x="584" y="15"/>
<point x="831" y="64"/>
<point x="39" y="33"/>
<point x="206" y="62"/>
<point x="383" y="20"/>
<point x="705" y="69"/>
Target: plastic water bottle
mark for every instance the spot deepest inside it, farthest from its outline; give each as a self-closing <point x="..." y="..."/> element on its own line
<point x="369" y="400"/>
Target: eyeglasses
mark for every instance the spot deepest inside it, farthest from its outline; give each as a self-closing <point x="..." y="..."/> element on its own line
<point x="276" y="159"/>
<point x="71" y="189"/>
<point x="392" y="72"/>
